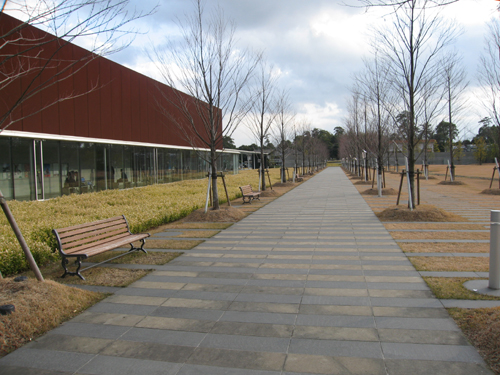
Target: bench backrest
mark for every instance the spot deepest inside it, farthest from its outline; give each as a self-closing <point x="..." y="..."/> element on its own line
<point x="84" y="236"/>
<point x="247" y="189"/>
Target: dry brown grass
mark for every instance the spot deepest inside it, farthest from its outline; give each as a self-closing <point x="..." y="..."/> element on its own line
<point x="269" y="193"/>
<point x="440" y="235"/>
<point x="451" y="264"/>
<point x="441" y="226"/>
<point x="421" y="213"/>
<point x="451" y="247"/>
<point x="225" y="214"/>
<point x="491" y="191"/>
<point x="39" y="308"/>
<point x="482" y="329"/>
<point x="152" y="257"/>
<point x="452" y="288"/>
<point x="173" y="244"/>
<point x="198" y="234"/>
<point x="102" y="276"/>
<point x="181" y="224"/>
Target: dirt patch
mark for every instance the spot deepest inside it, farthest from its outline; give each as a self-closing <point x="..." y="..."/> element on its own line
<point x="363" y="183"/>
<point x="386" y="191"/>
<point x="491" y="191"/>
<point x="198" y="234"/>
<point x="173" y="244"/>
<point x="284" y="184"/>
<point x="57" y="302"/>
<point x="482" y="329"/>
<point x="225" y="214"/>
<point x="269" y="193"/>
<point x="451" y="183"/>
<point x="152" y="257"/>
<point x="451" y="264"/>
<point x="421" y="213"/>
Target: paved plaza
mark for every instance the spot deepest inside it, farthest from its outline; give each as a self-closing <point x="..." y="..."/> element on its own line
<point x="311" y="283"/>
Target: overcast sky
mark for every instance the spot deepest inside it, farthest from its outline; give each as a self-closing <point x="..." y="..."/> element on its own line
<point x="317" y="44"/>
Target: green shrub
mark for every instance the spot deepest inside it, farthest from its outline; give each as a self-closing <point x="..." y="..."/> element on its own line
<point x="145" y="208"/>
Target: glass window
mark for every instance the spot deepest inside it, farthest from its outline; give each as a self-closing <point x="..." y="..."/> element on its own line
<point x="6" y="168"/>
<point x="116" y="172"/>
<point x="87" y="167"/>
<point x="70" y="168"/>
<point x="22" y="160"/>
<point x="51" y="172"/>
<point x="129" y="174"/>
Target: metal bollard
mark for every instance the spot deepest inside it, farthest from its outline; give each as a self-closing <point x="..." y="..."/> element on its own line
<point x="494" y="279"/>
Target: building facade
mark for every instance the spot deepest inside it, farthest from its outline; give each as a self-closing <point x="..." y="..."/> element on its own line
<point x="86" y="123"/>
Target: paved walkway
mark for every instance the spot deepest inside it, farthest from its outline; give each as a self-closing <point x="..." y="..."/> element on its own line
<point x="310" y="284"/>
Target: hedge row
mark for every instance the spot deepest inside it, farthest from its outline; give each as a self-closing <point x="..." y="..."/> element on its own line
<point x="145" y="208"/>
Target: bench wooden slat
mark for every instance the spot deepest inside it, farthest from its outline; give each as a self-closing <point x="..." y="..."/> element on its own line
<point x="63" y="233"/>
<point x="86" y="225"/>
<point x="111" y="245"/>
<point x="96" y="239"/>
<point x="88" y="245"/>
<point x="89" y="235"/>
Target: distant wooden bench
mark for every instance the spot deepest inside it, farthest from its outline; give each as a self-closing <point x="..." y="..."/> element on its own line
<point x="249" y="194"/>
<point x="85" y="240"/>
<point x="298" y="178"/>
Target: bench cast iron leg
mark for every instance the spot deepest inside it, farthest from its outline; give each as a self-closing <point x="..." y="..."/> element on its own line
<point x="77" y="273"/>
<point x="143" y="242"/>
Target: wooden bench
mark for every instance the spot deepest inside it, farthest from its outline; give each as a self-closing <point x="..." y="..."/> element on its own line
<point x="248" y="193"/>
<point x="85" y="240"/>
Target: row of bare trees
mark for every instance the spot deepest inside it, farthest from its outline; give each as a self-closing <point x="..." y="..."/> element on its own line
<point x="411" y="78"/>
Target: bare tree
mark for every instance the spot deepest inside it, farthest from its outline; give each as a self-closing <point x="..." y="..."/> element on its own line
<point x="489" y="75"/>
<point x="209" y="67"/>
<point x="377" y="93"/>
<point x="353" y="123"/>
<point x="262" y="112"/>
<point x="40" y="60"/>
<point x="455" y="83"/>
<point x="412" y="45"/>
<point x="282" y="129"/>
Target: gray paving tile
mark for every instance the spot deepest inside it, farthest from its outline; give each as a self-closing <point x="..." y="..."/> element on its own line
<point x="426" y="367"/>
<point x="46" y="359"/>
<point x="336" y="321"/>
<point x="416" y="323"/>
<point x="187" y="313"/>
<point x="336" y="348"/>
<point x="246" y="343"/>
<point x="257" y="317"/>
<point x="452" y="353"/>
<point x="163" y="336"/>
<point x="106" y="365"/>
<point x="212" y="370"/>
<point x="90" y="330"/>
<point x="121" y="308"/>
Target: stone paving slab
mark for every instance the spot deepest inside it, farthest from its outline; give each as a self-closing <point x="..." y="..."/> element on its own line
<point x="311" y="283"/>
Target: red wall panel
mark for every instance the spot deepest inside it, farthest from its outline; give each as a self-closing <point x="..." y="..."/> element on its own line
<point x="109" y="101"/>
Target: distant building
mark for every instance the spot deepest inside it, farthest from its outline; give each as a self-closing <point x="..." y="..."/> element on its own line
<point x="402" y="145"/>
